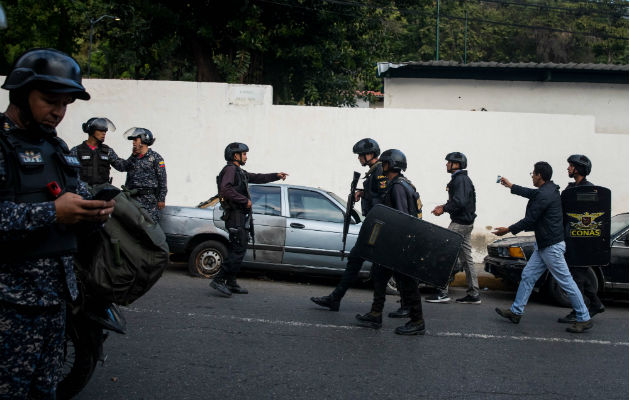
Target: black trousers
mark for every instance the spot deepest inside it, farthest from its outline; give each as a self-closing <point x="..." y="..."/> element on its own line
<point x="235" y="225"/>
<point x="407" y="287"/>
<point x="582" y="278"/>
<point x="349" y="274"/>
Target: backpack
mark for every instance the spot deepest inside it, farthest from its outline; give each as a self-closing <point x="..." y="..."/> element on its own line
<point x="414" y="196"/>
<point x="122" y="261"/>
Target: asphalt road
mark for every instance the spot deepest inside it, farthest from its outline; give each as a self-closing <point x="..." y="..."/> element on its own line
<point x="184" y="342"/>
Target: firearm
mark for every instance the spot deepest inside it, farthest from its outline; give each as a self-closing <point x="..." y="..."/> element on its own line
<point x="251" y="232"/>
<point x="349" y="208"/>
<point x="251" y="225"/>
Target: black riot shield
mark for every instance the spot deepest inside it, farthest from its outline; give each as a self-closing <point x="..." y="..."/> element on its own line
<point x="409" y="245"/>
<point x="587" y="225"/>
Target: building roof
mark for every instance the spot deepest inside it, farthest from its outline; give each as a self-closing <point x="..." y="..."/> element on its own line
<point x="545" y="72"/>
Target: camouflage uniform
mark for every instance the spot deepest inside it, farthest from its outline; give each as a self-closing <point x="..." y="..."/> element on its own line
<point x="33" y="293"/>
<point x="148" y="175"/>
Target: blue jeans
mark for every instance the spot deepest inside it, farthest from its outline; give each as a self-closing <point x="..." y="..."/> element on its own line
<point x="551" y="258"/>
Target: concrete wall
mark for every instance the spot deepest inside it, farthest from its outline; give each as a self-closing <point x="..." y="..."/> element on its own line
<point x="607" y="102"/>
<point x="193" y="122"/>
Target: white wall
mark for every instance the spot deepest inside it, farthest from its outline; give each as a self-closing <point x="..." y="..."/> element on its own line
<point x="607" y="102"/>
<point x="193" y="122"/>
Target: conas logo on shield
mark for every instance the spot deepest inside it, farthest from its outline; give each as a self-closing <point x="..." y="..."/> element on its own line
<point x="586" y="225"/>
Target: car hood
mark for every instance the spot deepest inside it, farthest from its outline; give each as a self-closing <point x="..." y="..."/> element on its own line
<point x="524" y="242"/>
<point x="189" y="212"/>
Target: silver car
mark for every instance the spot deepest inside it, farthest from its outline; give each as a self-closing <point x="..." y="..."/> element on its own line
<point x="297" y="228"/>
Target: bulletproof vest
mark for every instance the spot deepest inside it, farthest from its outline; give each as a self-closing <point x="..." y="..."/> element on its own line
<point x="239" y="184"/>
<point x="30" y="166"/>
<point x="370" y="189"/>
<point x="94" y="164"/>
<point x="413" y="198"/>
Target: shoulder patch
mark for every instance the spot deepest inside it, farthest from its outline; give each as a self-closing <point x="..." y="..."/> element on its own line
<point x="161" y="164"/>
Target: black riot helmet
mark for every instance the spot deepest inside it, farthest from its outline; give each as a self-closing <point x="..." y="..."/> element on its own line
<point x="395" y="158"/>
<point x="581" y="163"/>
<point x="97" y="124"/>
<point x="234" y="148"/>
<point x="145" y="135"/>
<point x="458" y="158"/>
<point x="366" y="146"/>
<point x="48" y="70"/>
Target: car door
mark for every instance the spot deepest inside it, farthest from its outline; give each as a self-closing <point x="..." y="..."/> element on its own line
<point x="617" y="272"/>
<point x="269" y="224"/>
<point x="314" y="229"/>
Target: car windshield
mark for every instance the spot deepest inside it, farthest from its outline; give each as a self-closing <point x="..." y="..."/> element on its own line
<point x="342" y="202"/>
<point x="618" y="223"/>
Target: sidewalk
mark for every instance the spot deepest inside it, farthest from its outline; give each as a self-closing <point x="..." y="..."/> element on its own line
<point x="486" y="279"/>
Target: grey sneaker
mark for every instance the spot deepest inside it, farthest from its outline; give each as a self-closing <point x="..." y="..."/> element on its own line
<point x="469" y="300"/>
<point x="438" y="298"/>
<point x="220" y="286"/>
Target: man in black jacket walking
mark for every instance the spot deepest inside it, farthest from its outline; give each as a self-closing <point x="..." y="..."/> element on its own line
<point x="544" y="217"/>
<point x="374" y="188"/>
<point x="461" y="206"/>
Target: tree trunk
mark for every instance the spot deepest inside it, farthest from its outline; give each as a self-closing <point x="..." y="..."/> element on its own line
<point x="206" y="70"/>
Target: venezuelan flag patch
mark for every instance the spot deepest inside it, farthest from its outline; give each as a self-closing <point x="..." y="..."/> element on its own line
<point x="161" y="164"/>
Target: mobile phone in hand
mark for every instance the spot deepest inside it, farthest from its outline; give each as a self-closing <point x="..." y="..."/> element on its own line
<point x="106" y="194"/>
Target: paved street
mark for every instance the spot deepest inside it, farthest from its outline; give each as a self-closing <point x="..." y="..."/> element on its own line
<point x="184" y="342"/>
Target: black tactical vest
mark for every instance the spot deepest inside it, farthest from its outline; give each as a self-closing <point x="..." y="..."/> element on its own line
<point x="30" y="165"/>
<point x="413" y="198"/>
<point x="372" y="194"/>
<point x="239" y="184"/>
<point x="94" y="163"/>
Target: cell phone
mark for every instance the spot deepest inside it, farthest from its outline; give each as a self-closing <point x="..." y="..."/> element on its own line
<point x="106" y="194"/>
<point x="498" y="178"/>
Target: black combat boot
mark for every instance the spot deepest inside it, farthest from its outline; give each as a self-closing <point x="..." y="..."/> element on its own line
<point x="329" y="302"/>
<point x="402" y="312"/>
<point x="219" y="284"/>
<point x="234" y="287"/>
<point x="372" y="320"/>
<point x="411" y="328"/>
<point x="570" y="318"/>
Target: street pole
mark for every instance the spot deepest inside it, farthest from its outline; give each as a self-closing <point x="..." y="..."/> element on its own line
<point x="465" y="35"/>
<point x="437" y="33"/>
<point x="90" y="48"/>
<point x="92" y="23"/>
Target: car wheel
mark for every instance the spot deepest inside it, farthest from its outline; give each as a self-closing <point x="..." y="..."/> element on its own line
<point x="206" y="258"/>
<point x="558" y="296"/>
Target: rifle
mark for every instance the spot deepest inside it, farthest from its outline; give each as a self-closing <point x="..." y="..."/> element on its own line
<point x="251" y="232"/>
<point x="348" y="214"/>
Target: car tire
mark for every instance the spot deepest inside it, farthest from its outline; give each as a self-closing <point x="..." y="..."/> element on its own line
<point x="206" y="258"/>
<point x="558" y="296"/>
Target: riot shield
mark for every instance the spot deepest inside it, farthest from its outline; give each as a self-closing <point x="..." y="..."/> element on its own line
<point x="409" y="245"/>
<point x="587" y="225"/>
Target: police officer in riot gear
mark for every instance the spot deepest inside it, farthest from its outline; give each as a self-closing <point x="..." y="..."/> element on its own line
<point x="579" y="167"/>
<point x="96" y="158"/>
<point x="236" y="202"/>
<point x="402" y="196"/>
<point x="146" y="176"/>
<point x="374" y="188"/>
<point x="461" y="206"/>
<point x="41" y="203"/>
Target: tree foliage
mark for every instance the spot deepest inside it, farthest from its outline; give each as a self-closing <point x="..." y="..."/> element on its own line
<point x="316" y="52"/>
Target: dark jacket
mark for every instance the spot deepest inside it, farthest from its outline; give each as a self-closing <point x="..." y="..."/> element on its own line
<point x="543" y="214"/>
<point x="232" y="184"/>
<point x="583" y="182"/>
<point x="374" y="188"/>
<point x="461" y="204"/>
<point x="402" y="196"/>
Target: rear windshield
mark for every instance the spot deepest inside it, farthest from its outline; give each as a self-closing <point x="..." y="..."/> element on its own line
<point x="618" y="223"/>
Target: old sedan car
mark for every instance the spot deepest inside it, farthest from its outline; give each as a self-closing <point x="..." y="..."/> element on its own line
<point x="297" y="228"/>
<point x="507" y="257"/>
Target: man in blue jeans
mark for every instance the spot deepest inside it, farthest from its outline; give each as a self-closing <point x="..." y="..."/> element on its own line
<point x="544" y="216"/>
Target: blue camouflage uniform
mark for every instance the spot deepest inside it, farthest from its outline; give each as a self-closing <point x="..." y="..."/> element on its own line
<point x="33" y="292"/>
<point x="147" y="176"/>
